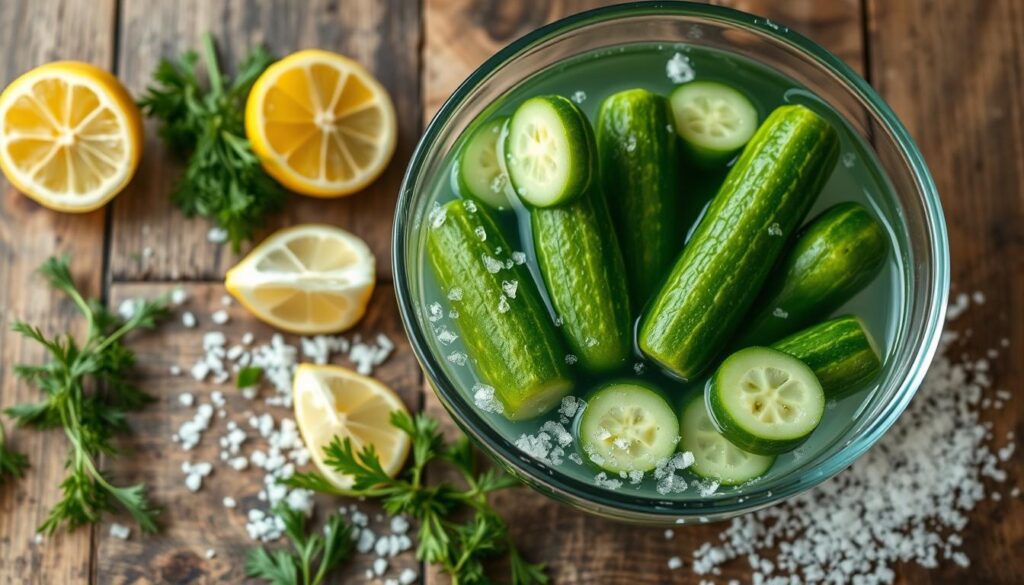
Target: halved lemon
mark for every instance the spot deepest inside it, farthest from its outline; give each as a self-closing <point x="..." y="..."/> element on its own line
<point x="70" y="135"/>
<point x="332" y="401"/>
<point x="308" y="279"/>
<point x="321" y="124"/>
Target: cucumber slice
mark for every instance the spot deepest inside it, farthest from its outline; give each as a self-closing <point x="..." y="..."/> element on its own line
<point x="478" y="170"/>
<point x="713" y="119"/>
<point x="841" y="352"/>
<point x="765" y="401"/>
<point x="714" y="457"/>
<point x="627" y="426"/>
<point x="549" y="151"/>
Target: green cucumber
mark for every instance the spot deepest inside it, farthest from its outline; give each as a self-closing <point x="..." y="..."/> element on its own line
<point x="764" y="198"/>
<point x="714" y="457"/>
<point x="478" y="171"/>
<point x="549" y="151"/>
<point x="510" y="337"/>
<point x="582" y="267"/>
<point x="713" y="119"/>
<point x="765" y="401"/>
<point x="841" y="352"/>
<point x="640" y="174"/>
<point x="834" y="257"/>
<point x="628" y="427"/>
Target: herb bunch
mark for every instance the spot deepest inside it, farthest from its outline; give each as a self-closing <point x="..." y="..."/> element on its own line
<point x="12" y="463"/>
<point x="460" y="546"/>
<point x="223" y="178"/>
<point x="86" y="393"/>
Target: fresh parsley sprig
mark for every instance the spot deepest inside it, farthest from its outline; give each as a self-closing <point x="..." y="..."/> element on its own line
<point x="12" y="463"/>
<point x="223" y="178"/>
<point x="85" y="392"/>
<point x="460" y="547"/>
<point x="311" y="551"/>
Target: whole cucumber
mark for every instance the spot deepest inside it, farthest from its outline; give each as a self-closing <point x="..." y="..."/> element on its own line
<point x="640" y="170"/>
<point x="834" y="257"/>
<point x="714" y="282"/>
<point x="582" y="267"/>
<point x="502" y="319"/>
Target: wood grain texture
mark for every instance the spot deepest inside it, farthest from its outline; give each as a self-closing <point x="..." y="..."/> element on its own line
<point x="578" y="548"/>
<point x="195" y="522"/>
<point x="954" y="73"/>
<point x="33" y="33"/>
<point x="384" y="36"/>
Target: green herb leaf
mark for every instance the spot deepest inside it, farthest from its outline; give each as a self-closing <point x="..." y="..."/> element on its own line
<point x="223" y="179"/>
<point x="461" y="549"/>
<point x="248" y="376"/>
<point x="313" y="555"/>
<point x="85" y="391"/>
<point x="12" y="463"/>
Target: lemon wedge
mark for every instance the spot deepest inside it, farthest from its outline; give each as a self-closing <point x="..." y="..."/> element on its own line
<point x="70" y="136"/>
<point x="321" y="124"/>
<point x="332" y="401"/>
<point x="308" y="279"/>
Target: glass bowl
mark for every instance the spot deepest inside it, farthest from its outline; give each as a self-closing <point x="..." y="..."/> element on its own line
<point x="915" y="214"/>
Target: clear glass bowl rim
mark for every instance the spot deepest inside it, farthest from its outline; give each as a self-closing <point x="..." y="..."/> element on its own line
<point x="621" y="505"/>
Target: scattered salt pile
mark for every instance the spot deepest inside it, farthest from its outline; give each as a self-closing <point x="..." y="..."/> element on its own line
<point x="251" y="439"/>
<point x="906" y="500"/>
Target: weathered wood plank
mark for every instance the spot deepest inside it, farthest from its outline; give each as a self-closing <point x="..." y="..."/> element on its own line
<point x="579" y="548"/>
<point x="195" y="522"/>
<point x="954" y="73"/>
<point x="33" y="33"/>
<point x="461" y="34"/>
<point x="383" y="36"/>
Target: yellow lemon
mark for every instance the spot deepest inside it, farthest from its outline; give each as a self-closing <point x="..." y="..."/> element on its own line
<point x="332" y="401"/>
<point x="70" y="135"/>
<point x="308" y="279"/>
<point x="321" y="124"/>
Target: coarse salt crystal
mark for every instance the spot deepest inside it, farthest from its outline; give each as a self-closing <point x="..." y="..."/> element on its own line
<point x="179" y="296"/>
<point x="678" y="69"/>
<point x="120" y="531"/>
<point x="217" y="235"/>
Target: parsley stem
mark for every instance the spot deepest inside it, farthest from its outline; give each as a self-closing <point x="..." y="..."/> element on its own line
<point x="212" y="67"/>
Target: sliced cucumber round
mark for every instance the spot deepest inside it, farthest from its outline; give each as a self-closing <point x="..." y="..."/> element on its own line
<point x="713" y="119"/>
<point x="549" y="151"/>
<point x="765" y="401"/>
<point x="714" y="457"/>
<point x="478" y="171"/>
<point x="627" y="426"/>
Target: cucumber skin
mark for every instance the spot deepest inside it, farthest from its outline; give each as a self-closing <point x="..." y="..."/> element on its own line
<point x="716" y="278"/>
<point x="518" y="352"/>
<point x="841" y="353"/>
<point x="834" y="257"/>
<point x="582" y="267"/>
<point x="642" y="185"/>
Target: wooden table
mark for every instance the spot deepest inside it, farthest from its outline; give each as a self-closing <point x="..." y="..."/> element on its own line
<point x="953" y="71"/>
